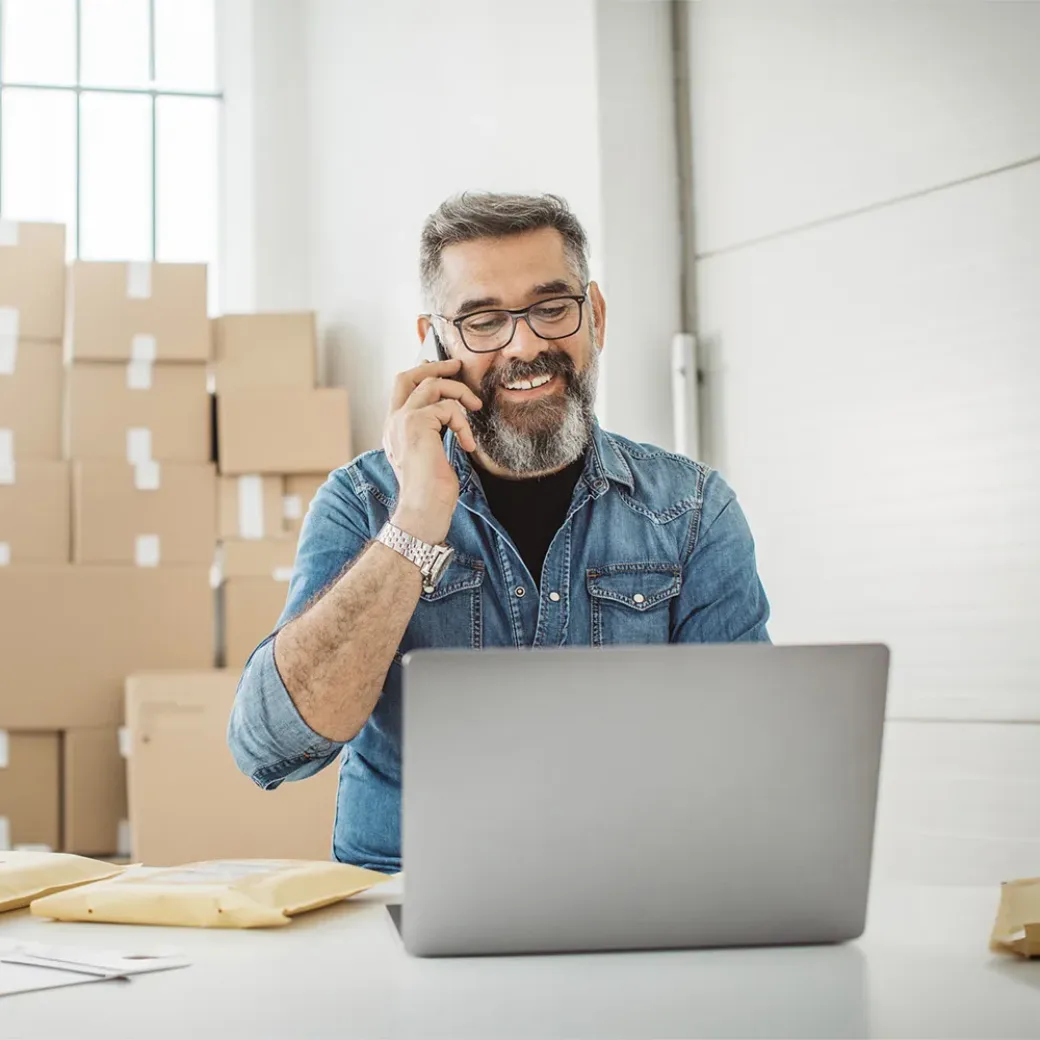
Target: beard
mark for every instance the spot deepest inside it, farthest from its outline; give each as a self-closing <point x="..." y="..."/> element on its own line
<point x="549" y="432"/>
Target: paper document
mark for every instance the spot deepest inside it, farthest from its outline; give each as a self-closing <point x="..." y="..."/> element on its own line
<point x="25" y="967"/>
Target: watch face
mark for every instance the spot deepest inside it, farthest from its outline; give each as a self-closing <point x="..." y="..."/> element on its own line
<point x="440" y="565"/>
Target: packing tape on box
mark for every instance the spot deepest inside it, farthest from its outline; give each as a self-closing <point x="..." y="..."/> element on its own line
<point x="139" y="375"/>
<point x="292" y="507"/>
<point x="139" y="280"/>
<point x="142" y="347"/>
<point x="123" y="736"/>
<point x="123" y="839"/>
<point x="146" y="550"/>
<point x="147" y="476"/>
<point x="282" y="574"/>
<point x="251" y="506"/>
<point x="5" y="554"/>
<point x="9" y="319"/>
<point x="138" y="445"/>
<point x="5" y="749"/>
<point x="211" y="382"/>
<point x="5" y="834"/>
<point x="7" y="470"/>
<point x="216" y="575"/>
<point x="8" y="232"/>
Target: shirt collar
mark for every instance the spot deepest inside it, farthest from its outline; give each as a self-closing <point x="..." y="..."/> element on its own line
<point x="603" y="463"/>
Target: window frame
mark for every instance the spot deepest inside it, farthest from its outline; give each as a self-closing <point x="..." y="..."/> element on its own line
<point x="78" y="89"/>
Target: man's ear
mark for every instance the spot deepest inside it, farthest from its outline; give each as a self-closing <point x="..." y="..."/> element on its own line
<point x="599" y="311"/>
<point x="422" y="326"/>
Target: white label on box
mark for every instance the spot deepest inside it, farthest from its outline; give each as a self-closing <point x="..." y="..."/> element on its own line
<point x="124" y="741"/>
<point x="123" y="839"/>
<point x="139" y="280"/>
<point x="8" y="232"/>
<point x="147" y="476"/>
<point x="146" y="550"/>
<point x="138" y="445"/>
<point x="4" y="752"/>
<point x="216" y="575"/>
<point x="251" y="506"/>
<point x="139" y="375"/>
<point x="211" y="382"/>
<point x="9" y="321"/>
<point x="5" y="834"/>
<point x="5" y="554"/>
<point x="282" y="574"/>
<point x="292" y="507"/>
<point x="142" y="347"/>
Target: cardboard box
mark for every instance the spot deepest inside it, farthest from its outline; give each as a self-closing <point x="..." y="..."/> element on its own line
<point x="263" y="558"/>
<point x="94" y="792"/>
<point x="188" y="801"/>
<point x="283" y="431"/>
<point x="31" y="385"/>
<point x="34" y="514"/>
<point x="160" y="513"/>
<point x="30" y="792"/>
<point x="300" y="490"/>
<point x="250" y="506"/>
<point x="137" y="311"/>
<point x="252" y="607"/>
<point x="106" y="418"/>
<point x="71" y="635"/>
<point x="258" y="351"/>
<point x="32" y="280"/>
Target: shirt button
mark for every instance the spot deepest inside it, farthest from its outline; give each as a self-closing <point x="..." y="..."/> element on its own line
<point x="519" y="592"/>
<point x="554" y="596"/>
<point x="427" y="589"/>
<point x="638" y="598"/>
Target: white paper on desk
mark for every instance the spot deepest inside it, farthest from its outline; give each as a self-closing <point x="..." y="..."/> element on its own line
<point x="25" y="967"/>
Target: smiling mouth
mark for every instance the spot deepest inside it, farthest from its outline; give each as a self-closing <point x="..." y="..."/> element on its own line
<point x="528" y="385"/>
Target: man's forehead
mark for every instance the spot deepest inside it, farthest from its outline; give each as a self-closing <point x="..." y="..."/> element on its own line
<point x="503" y="271"/>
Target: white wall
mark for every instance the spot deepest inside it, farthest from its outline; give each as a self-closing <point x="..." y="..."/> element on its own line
<point x="866" y="183"/>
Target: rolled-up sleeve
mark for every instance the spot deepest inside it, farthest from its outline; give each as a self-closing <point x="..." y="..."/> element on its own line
<point x="268" y="738"/>
<point x="721" y="599"/>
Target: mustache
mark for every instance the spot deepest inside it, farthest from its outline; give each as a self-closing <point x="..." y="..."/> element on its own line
<point x="547" y="364"/>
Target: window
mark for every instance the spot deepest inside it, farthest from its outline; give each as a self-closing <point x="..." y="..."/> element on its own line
<point x="110" y="122"/>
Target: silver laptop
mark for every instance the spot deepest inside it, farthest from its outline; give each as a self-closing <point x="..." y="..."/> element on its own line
<point x="638" y="797"/>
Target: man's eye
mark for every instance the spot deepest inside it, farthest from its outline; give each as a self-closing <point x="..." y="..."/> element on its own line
<point x="550" y="311"/>
<point x="484" y="324"/>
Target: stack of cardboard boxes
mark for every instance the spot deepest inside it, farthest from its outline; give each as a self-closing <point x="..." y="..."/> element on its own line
<point x="278" y="436"/>
<point x="110" y="509"/>
<point x="96" y="581"/>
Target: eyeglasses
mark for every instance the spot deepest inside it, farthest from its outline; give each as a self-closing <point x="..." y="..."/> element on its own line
<point x="487" y="331"/>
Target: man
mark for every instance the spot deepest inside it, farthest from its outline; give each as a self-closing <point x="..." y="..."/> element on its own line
<point x="498" y="514"/>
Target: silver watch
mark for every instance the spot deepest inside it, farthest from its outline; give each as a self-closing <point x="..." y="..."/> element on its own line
<point x="432" y="560"/>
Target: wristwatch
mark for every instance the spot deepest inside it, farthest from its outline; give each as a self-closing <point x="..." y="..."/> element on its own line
<point x="432" y="560"/>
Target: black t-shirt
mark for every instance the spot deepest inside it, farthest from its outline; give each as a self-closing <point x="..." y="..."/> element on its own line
<point x="532" y="510"/>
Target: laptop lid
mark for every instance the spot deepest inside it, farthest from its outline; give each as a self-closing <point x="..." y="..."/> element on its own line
<point x="638" y="797"/>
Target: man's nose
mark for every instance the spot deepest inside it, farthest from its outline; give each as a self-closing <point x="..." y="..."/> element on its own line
<point x="525" y="345"/>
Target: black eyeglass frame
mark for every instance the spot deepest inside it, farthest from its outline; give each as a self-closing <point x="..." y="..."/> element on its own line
<point x="516" y="315"/>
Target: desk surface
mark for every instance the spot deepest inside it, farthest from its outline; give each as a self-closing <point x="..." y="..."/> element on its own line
<point x="921" y="970"/>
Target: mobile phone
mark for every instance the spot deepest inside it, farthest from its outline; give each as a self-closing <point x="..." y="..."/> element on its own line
<point x="433" y="348"/>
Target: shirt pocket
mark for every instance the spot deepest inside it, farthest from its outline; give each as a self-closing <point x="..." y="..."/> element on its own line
<point x="630" y="602"/>
<point x="450" y="615"/>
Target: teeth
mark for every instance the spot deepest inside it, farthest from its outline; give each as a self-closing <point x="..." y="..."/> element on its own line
<point x="528" y="384"/>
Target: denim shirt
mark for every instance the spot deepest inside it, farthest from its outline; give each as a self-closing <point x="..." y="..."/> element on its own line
<point x="654" y="549"/>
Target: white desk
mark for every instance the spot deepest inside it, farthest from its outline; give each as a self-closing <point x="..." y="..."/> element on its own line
<point x="922" y="970"/>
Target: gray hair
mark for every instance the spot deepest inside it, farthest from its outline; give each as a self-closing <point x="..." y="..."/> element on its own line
<point x="473" y="215"/>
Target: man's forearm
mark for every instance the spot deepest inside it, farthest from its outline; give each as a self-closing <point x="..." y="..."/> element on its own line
<point x="334" y="657"/>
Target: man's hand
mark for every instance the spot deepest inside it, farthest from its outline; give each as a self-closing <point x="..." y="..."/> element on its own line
<point x="423" y="402"/>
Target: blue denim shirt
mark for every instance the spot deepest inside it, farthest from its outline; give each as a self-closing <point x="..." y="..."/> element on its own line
<point x="654" y="549"/>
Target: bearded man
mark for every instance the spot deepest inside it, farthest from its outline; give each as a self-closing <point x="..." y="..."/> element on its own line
<point x="498" y="514"/>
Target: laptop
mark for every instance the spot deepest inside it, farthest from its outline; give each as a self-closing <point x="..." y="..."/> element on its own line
<point x="638" y="797"/>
